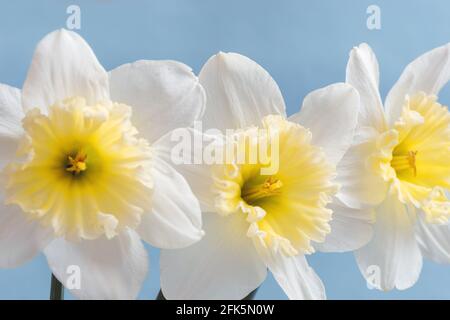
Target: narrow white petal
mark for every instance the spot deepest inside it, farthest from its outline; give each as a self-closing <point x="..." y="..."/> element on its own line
<point x="20" y="238"/>
<point x="175" y="219"/>
<point x="11" y="112"/>
<point x="109" y="269"/>
<point x="428" y="73"/>
<point x="362" y="73"/>
<point x="297" y="279"/>
<point x="223" y="265"/>
<point x="165" y="95"/>
<point x="434" y="240"/>
<point x="11" y="115"/>
<point x="63" y="66"/>
<point x="239" y="92"/>
<point x="360" y="184"/>
<point x="392" y="259"/>
<point x="350" y="228"/>
<point x="331" y="115"/>
<point x="186" y="150"/>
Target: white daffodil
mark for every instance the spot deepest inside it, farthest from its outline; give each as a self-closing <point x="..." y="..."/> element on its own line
<point x="81" y="181"/>
<point x="255" y="220"/>
<point x="400" y="165"/>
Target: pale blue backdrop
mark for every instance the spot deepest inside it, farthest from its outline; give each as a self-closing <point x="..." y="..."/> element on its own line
<point x="303" y="44"/>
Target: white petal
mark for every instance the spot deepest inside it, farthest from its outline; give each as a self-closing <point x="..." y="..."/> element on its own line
<point x="223" y="265"/>
<point x="434" y="240"/>
<point x="297" y="279"/>
<point x="392" y="258"/>
<point x="109" y="269"/>
<point x="239" y="92"/>
<point x="165" y="95"/>
<point x="20" y="238"/>
<point x="175" y="219"/>
<point x="181" y="148"/>
<point x="63" y="66"/>
<point x="362" y="73"/>
<point x="360" y="184"/>
<point x="331" y="115"/>
<point x="428" y="73"/>
<point x="350" y="228"/>
<point x="11" y="115"/>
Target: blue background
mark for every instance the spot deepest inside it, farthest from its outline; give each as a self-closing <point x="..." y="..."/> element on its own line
<point x="303" y="44"/>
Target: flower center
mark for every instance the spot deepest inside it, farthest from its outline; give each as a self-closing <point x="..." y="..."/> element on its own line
<point x="415" y="155"/>
<point x="77" y="164"/>
<point x="270" y="187"/>
<point x="81" y="170"/>
<point x="286" y="209"/>
<point x="406" y="161"/>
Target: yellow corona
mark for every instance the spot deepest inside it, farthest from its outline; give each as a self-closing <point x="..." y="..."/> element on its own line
<point x="81" y="169"/>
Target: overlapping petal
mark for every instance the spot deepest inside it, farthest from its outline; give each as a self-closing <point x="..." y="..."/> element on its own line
<point x="11" y="115"/>
<point x="434" y="240"/>
<point x="108" y="269"/>
<point x="363" y="74"/>
<point x="297" y="279"/>
<point x="186" y="150"/>
<point x="428" y="73"/>
<point x="360" y="183"/>
<point x="350" y="228"/>
<point x="20" y="239"/>
<point x="223" y="265"/>
<point x="174" y="221"/>
<point x="165" y="95"/>
<point x="331" y="114"/>
<point x="392" y="259"/>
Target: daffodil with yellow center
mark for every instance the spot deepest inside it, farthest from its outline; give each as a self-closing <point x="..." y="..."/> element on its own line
<point x="417" y="157"/>
<point x="85" y="172"/>
<point x="287" y="209"/>
<point x="81" y="180"/>
<point x="402" y="159"/>
<point x="267" y="204"/>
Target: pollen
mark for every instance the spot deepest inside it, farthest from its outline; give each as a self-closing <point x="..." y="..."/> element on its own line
<point x="405" y="162"/>
<point x="271" y="186"/>
<point x="78" y="164"/>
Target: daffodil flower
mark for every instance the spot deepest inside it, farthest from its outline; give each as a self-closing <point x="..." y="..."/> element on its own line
<point x="80" y="179"/>
<point x="400" y="165"/>
<point x="255" y="220"/>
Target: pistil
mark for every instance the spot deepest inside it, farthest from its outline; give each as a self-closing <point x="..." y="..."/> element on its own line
<point x="78" y="164"/>
<point x="270" y="187"/>
<point x="405" y="162"/>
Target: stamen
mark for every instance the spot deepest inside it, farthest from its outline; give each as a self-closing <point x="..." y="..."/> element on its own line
<point x="405" y="162"/>
<point x="77" y="164"/>
<point x="269" y="188"/>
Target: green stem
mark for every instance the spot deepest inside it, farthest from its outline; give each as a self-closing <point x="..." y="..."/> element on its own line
<point x="160" y="296"/>
<point x="56" y="289"/>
